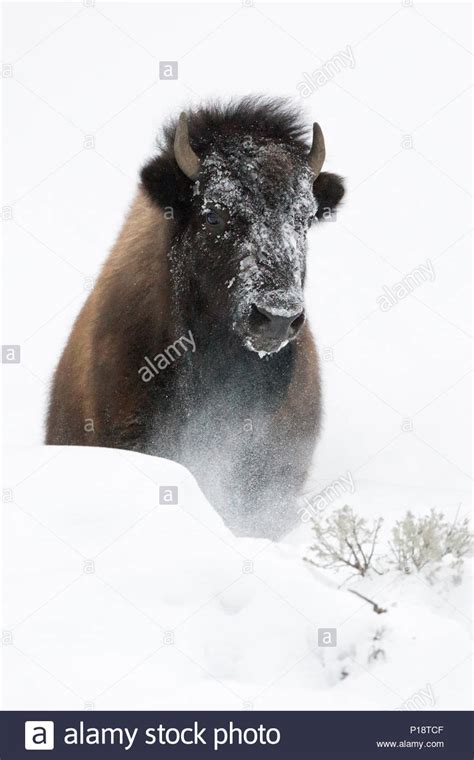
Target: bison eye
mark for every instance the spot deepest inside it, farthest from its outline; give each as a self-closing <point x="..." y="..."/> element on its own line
<point x="213" y="219"/>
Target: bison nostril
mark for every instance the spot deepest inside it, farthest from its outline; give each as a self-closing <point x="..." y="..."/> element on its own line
<point x="298" y="322"/>
<point x="258" y="317"/>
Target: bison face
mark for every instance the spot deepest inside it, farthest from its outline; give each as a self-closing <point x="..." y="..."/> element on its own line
<point x="244" y="204"/>
<point x="253" y="203"/>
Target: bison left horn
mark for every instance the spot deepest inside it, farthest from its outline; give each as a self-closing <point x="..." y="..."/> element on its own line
<point x="185" y="157"/>
<point x="317" y="154"/>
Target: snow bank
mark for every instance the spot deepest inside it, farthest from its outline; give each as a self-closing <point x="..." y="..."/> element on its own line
<point x="115" y="601"/>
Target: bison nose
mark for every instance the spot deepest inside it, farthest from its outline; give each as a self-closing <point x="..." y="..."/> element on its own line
<point x="278" y="324"/>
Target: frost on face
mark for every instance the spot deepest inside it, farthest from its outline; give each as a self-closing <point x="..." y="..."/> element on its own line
<point x="266" y="188"/>
<point x="262" y="354"/>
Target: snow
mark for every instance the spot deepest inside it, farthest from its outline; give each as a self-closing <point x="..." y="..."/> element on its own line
<point x="262" y="354"/>
<point x="119" y="602"/>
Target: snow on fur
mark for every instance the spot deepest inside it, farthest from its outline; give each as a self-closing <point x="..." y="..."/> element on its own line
<point x="275" y="212"/>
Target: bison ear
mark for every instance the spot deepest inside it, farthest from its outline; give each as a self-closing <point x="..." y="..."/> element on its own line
<point x="328" y="190"/>
<point x="166" y="185"/>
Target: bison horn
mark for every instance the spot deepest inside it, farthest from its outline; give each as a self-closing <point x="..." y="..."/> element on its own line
<point x="317" y="153"/>
<point x="185" y="157"/>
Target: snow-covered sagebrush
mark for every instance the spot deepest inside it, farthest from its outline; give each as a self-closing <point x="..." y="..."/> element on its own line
<point x="418" y="542"/>
<point x="343" y="539"/>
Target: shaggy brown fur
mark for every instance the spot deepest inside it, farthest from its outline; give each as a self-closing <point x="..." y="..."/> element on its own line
<point x="97" y="394"/>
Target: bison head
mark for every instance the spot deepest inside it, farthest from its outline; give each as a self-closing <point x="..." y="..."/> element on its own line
<point x="245" y="200"/>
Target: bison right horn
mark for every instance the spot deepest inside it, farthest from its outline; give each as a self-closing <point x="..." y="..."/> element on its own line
<point x="317" y="154"/>
<point x="185" y="157"/>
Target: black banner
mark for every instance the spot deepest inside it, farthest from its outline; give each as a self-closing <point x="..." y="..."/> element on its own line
<point x="332" y="735"/>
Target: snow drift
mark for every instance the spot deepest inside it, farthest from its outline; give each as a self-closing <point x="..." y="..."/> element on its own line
<point x="114" y="600"/>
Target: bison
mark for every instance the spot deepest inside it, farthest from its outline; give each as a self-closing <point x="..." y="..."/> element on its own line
<point x="193" y="344"/>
